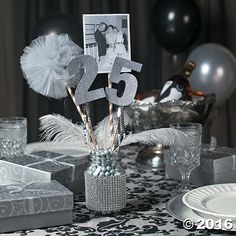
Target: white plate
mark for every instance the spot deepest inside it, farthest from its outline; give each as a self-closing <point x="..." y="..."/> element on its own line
<point x="176" y="208"/>
<point x="71" y="150"/>
<point x="217" y="200"/>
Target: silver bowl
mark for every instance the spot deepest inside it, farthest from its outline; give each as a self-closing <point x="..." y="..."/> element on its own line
<point x="145" y="116"/>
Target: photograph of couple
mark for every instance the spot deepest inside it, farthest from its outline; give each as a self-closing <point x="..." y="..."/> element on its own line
<point x="105" y="38"/>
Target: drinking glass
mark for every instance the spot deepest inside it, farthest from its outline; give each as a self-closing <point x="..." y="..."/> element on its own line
<point x="13" y="136"/>
<point x="186" y="157"/>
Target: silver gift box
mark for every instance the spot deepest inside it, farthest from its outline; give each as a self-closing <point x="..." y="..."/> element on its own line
<point x="218" y="166"/>
<point x="46" y="166"/>
<point x="34" y="205"/>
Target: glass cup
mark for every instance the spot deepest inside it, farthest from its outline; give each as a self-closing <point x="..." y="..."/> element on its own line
<point x="186" y="157"/>
<point x="13" y="136"/>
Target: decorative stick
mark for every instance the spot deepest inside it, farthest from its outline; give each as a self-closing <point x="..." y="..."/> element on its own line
<point x="114" y="138"/>
<point x="116" y="133"/>
<point x="78" y="107"/>
<point x="83" y="117"/>
<point x="87" y="112"/>
<point x="122" y="123"/>
<point x="110" y="108"/>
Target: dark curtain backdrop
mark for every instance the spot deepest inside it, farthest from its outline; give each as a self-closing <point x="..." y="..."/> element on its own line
<point x="17" y="21"/>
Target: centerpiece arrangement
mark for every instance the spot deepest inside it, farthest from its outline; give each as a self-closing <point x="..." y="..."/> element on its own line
<point x="54" y="66"/>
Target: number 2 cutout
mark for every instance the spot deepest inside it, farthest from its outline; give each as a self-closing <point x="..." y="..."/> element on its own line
<point x="82" y="93"/>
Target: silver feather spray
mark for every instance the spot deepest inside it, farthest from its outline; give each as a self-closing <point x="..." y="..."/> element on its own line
<point x="59" y="129"/>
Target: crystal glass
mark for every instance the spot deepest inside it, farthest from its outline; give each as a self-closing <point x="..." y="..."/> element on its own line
<point x="186" y="157"/>
<point x="105" y="183"/>
<point x="13" y="136"/>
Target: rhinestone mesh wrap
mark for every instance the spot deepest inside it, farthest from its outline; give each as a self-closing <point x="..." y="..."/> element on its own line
<point x="105" y="194"/>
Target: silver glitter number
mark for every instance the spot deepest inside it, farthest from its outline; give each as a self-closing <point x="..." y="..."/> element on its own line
<point x="82" y="93"/>
<point x="130" y="80"/>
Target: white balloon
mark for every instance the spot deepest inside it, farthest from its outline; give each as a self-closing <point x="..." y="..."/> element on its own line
<point x="215" y="71"/>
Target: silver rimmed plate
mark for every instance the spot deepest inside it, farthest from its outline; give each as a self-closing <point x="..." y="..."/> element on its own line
<point x="217" y="200"/>
<point x="176" y="208"/>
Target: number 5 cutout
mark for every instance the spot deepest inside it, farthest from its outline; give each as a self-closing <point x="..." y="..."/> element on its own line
<point x="130" y="80"/>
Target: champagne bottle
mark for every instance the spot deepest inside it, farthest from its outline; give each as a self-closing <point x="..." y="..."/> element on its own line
<point x="178" y="87"/>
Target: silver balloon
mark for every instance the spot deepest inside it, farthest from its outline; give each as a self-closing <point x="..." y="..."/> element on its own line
<point x="215" y="71"/>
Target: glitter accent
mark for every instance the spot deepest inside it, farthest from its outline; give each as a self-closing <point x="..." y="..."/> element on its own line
<point x="105" y="194"/>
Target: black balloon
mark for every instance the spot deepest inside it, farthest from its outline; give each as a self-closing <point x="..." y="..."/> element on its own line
<point x="176" y="24"/>
<point x="59" y="23"/>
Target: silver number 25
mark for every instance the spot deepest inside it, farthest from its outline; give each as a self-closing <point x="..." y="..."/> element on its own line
<point x="82" y="93"/>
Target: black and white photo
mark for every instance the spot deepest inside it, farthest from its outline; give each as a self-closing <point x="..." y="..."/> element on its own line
<point x="106" y="36"/>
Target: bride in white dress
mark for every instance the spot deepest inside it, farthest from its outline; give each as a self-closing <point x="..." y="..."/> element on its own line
<point x="120" y="49"/>
<point x="111" y="37"/>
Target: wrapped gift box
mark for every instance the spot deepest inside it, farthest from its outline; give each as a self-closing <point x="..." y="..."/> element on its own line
<point x="218" y="166"/>
<point x="46" y="166"/>
<point x="34" y="205"/>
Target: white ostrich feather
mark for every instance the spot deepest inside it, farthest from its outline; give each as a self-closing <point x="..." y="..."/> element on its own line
<point x="103" y="130"/>
<point x="44" y="64"/>
<point x="165" y="136"/>
<point x="58" y="129"/>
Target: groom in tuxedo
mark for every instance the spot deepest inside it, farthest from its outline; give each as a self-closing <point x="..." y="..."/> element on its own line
<point x="100" y="39"/>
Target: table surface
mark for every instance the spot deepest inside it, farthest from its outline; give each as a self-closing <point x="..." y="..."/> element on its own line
<point x="145" y="213"/>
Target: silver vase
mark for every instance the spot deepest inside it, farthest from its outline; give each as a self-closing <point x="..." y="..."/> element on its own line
<point x="105" y="183"/>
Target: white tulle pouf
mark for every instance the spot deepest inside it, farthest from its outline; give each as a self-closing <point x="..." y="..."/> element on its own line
<point x="44" y="64"/>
